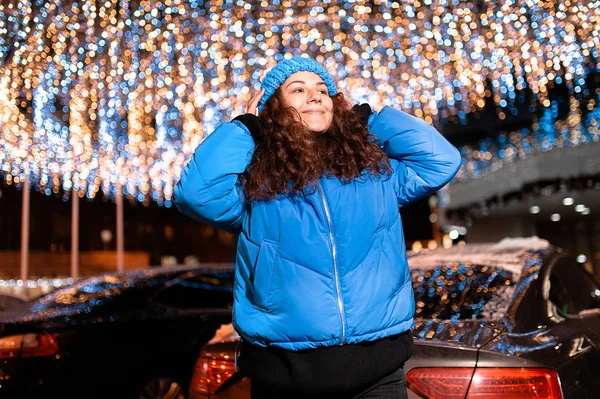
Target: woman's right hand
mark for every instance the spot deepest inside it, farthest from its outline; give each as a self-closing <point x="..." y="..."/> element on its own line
<point x="253" y="104"/>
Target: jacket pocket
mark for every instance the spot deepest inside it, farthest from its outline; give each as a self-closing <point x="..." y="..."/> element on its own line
<point x="264" y="268"/>
<point x="393" y="261"/>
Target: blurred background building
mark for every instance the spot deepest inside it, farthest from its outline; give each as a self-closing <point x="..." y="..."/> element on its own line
<point x="104" y="101"/>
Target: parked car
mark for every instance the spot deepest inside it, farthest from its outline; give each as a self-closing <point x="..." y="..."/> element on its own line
<point x="126" y="335"/>
<point x="516" y="319"/>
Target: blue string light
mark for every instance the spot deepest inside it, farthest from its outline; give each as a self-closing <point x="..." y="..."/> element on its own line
<point x="101" y="95"/>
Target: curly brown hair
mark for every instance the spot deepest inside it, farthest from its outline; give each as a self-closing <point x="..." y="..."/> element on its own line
<point x="288" y="159"/>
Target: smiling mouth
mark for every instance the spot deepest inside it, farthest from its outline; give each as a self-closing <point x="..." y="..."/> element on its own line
<point x="314" y="112"/>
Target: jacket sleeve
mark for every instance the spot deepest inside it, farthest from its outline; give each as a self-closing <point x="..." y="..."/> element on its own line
<point x="426" y="160"/>
<point x="209" y="187"/>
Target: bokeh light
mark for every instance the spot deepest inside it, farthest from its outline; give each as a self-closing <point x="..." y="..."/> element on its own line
<point x="99" y="95"/>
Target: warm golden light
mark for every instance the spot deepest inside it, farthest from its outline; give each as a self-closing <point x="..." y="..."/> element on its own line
<point x="94" y="95"/>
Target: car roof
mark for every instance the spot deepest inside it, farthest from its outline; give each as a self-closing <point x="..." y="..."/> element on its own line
<point x="145" y="277"/>
<point x="44" y="307"/>
<point x="506" y="254"/>
<point x="160" y="271"/>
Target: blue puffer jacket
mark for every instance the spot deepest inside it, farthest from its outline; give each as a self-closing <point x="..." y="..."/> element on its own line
<point x="328" y="268"/>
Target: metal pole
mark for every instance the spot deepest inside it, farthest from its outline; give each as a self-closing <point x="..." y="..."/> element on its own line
<point x="120" y="238"/>
<point x="74" y="235"/>
<point x="25" y="233"/>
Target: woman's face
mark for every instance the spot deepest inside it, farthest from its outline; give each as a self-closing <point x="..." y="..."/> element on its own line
<point x="307" y="93"/>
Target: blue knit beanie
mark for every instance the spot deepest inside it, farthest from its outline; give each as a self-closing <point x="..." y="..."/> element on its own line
<point x="279" y="74"/>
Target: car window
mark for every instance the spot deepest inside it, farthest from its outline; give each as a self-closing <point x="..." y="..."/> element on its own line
<point x="9" y="301"/>
<point x="106" y="292"/>
<point x="89" y="292"/>
<point x="197" y="291"/>
<point x="572" y="289"/>
<point x="462" y="291"/>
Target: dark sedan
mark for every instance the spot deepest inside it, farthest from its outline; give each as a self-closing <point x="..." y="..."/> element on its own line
<point x="516" y="320"/>
<point x="129" y="335"/>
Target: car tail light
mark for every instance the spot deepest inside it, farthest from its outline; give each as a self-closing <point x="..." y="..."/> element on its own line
<point x="512" y="383"/>
<point x="27" y="345"/>
<point x="440" y="383"/>
<point x="486" y="383"/>
<point x="210" y="375"/>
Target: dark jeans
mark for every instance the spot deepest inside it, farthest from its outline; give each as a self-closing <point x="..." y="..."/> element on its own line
<point x="391" y="387"/>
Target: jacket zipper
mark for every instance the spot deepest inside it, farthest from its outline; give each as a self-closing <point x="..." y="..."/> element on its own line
<point x="335" y="271"/>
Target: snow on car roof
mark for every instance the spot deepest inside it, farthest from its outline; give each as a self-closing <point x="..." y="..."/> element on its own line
<point x="506" y="254"/>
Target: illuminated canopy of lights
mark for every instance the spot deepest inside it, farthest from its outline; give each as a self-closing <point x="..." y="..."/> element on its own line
<point x="98" y="95"/>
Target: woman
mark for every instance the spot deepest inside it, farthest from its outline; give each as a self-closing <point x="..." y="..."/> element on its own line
<point x="323" y="298"/>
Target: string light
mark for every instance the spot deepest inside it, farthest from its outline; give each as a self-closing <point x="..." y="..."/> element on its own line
<point x="529" y="192"/>
<point x="545" y="135"/>
<point x="96" y="95"/>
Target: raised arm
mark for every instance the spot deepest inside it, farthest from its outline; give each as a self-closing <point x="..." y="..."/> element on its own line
<point x="426" y="160"/>
<point x="209" y="188"/>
